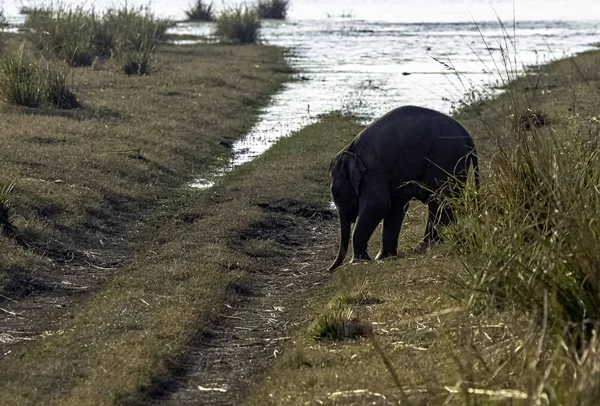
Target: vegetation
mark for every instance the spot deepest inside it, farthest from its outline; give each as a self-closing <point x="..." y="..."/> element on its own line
<point x="529" y="239"/>
<point x="22" y="81"/>
<point x="274" y="9"/>
<point x="74" y="35"/>
<point x="534" y="247"/>
<point x="79" y="36"/>
<point x="137" y="62"/>
<point x="238" y="25"/>
<point x="338" y="322"/>
<point x="81" y="181"/>
<point x="28" y="82"/>
<point x="201" y="11"/>
<point x="6" y="225"/>
<point x="59" y="88"/>
<point x="2" y="25"/>
<point x="507" y="310"/>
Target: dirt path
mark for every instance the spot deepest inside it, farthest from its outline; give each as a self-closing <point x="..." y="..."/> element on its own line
<point x="224" y="361"/>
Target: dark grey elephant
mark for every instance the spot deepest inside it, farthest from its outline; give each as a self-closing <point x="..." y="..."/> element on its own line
<point x="409" y="153"/>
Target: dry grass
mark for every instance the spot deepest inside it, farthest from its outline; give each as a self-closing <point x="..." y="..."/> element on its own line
<point x="95" y="181"/>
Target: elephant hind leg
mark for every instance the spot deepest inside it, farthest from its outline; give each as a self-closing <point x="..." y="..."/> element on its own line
<point x="440" y="215"/>
<point x="392" y="223"/>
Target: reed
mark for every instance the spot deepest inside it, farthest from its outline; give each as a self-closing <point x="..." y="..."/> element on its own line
<point x="238" y="25"/>
<point x="79" y="36"/>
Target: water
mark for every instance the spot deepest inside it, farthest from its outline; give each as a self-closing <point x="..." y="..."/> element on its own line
<point x="367" y="57"/>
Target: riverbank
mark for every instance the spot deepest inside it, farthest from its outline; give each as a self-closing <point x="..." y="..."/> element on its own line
<point x="88" y="189"/>
<point x="222" y="294"/>
<point x="437" y="347"/>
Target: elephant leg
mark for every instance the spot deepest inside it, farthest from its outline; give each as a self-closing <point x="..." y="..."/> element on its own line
<point x="392" y="223"/>
<point x="366" y="223"/>
<point x="433" y="220"/>
<point x="440" y="215"/>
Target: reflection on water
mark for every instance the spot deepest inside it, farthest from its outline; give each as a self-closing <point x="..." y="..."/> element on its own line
<point x="369" y="56"/>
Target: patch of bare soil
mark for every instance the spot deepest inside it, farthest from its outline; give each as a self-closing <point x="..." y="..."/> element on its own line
<point x="225" y="360"/>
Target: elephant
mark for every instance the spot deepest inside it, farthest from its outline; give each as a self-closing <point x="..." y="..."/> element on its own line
<point x="409" y="153"/>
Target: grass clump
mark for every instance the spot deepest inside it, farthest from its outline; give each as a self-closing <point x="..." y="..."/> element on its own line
<point x="136" y="33"/>
<point x="58" y="87"/>
<point x="68" y="33"/>
<point x="534" y="236"/>
<point x="22" y="80"/>
<point x="136" y="62"/>
<point x="25" y="81"/>
<point x="201" y="12"/>
<point x="134" y="28"/>
<point x="273" y="9"/>
<point x="238" y="25"/>
<point x="339" y="323"/>
<point x="79" y="36"/>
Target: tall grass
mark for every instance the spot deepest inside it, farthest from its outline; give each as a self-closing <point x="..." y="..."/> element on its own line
<point x="535" y="232"/>
<point x="22" y="80"/>
<point x="134" y="28"/>
<point x="30" y="82"/>
<point x="68" y="33"/>
<point x="59" y="88"/>
<point x="79" y="36"/>
<point x="274" y="9"/>
<point x="137" y="62"/>
<point x="201" y="11"/>
<point x="239" y="25"/>
<point x="136" y="33"/>
<point x="530" y="244"/>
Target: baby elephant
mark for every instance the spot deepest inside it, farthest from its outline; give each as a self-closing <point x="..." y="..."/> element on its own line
<point x="409" y="153"/>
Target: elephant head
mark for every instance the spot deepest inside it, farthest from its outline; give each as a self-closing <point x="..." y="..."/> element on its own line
<point x="346" y="173"/>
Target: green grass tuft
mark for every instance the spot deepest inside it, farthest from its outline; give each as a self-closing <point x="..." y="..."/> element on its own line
<point x="338" y="323"/>
<point x="238" y="25"/>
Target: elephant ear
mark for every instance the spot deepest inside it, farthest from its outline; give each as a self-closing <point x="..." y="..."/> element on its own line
<point x="354" y="170"/>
